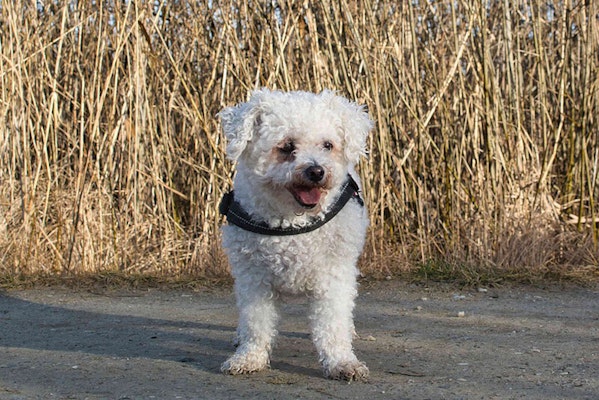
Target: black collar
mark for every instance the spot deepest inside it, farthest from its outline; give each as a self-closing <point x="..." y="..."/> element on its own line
<point x="236" y="215"/>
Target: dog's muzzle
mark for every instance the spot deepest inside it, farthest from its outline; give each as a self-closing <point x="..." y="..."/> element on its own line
<point x="308" y="191"/>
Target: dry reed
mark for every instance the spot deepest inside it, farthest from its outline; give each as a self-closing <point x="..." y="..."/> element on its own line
<point x="485" y="153"/>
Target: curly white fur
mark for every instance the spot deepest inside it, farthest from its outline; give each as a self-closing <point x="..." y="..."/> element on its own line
<point x="283" y="143"/>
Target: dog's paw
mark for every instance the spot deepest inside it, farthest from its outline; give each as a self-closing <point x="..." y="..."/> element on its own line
<point x="348" y="371"/>
<point x="246" y="363"/>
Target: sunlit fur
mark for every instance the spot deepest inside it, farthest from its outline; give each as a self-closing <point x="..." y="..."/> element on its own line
<point x="275" y="138"/>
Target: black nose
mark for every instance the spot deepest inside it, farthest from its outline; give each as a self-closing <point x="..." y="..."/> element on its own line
<point x="314" y="173"/>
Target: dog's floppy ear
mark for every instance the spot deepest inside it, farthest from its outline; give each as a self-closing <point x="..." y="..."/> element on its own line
<point x="356" y="126"/>
<point x="239" y="125"/>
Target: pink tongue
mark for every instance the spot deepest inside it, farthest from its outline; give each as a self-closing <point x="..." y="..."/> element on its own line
<point x="309" y="196"/>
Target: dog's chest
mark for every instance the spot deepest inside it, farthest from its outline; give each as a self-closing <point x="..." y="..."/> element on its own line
<point x="291" y="264"/>
<point x="297" y="264"/>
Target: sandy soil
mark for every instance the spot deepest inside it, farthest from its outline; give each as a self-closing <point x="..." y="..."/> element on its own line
<point x="438" y="342"/>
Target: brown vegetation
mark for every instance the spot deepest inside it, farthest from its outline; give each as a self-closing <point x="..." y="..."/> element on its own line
<point x="484" y="160"/>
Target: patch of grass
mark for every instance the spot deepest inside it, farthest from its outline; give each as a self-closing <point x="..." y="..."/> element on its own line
<point x="442" y="271"/>
<point x="110" y="280"/>
<point x="476" y="276"/>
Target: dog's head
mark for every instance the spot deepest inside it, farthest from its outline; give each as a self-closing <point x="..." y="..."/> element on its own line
<point x="296" y="146"/>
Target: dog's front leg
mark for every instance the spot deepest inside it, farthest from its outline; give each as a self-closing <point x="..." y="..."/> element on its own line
<point x="256" y="329"/>
<point x="332" y="331"/>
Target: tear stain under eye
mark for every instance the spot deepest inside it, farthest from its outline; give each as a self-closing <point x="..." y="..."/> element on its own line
<point x="281" y="157"/>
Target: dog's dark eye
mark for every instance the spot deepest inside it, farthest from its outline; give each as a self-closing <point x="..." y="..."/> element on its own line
<point x="287" y="148"/>
<point x="328" y="145"/>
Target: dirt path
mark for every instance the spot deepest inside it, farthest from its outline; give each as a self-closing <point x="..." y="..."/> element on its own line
<point x="509" y="343"/>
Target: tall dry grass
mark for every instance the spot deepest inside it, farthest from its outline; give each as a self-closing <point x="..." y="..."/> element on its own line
<point x="485" y="153"/>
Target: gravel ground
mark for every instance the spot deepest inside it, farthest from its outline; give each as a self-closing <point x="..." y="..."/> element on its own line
<point x="436" y="342"/>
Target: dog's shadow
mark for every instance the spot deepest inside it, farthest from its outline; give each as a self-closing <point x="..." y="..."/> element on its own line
<point x="198" y="340"/>
<point x="295" y="369"/>
<point x="36" y="326"/>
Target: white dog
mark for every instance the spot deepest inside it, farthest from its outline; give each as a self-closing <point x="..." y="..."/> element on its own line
<point x="297" y="223"/>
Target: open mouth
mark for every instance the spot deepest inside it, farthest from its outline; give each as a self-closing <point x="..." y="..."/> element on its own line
<point x="306" y="196"/>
